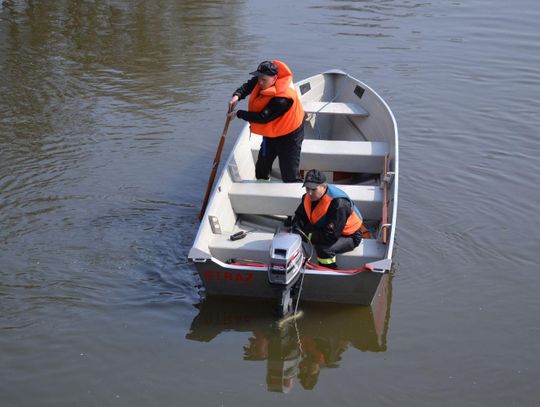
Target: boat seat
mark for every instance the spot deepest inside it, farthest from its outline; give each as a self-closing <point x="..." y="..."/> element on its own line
<point x="277" y="198"/>
<point x="347" y="156"/>
<point x="337" y="155"/>
<point x="349" y="109"/>
<point x="256" y="247"/>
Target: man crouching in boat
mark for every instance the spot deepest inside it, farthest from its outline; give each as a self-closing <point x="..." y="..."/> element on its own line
<point x="275" y="112"/>
<point x="329" y="219"/>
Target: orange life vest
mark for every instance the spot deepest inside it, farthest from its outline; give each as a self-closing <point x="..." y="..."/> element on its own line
<point x="317" y="215"/>
<point x="259" y="98"/>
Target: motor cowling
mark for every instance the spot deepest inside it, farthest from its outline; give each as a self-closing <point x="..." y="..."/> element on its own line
<point x="286" y="258"/>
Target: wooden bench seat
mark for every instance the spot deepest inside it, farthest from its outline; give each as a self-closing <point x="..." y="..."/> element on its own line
<point x="350" y="109"/>
<point x="338" y="155"/>
<point x="276" y="198"/>
<point x="256" y="246"/>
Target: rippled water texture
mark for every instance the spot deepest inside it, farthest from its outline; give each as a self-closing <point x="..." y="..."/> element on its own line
<point x="110" y="114"/>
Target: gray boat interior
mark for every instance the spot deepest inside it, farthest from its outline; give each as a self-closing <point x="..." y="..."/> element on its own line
<point x="348" y="132"/>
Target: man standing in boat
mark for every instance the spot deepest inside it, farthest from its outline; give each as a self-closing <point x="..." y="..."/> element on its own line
<point x="276" y="113"/>
<point x="329" y="219"/>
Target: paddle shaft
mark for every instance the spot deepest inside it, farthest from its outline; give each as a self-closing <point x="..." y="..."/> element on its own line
<point x="215" y="167"/>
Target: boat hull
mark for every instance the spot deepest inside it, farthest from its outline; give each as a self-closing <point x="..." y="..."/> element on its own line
<point x="334" y="287"/>
<point x="351" y="135"/>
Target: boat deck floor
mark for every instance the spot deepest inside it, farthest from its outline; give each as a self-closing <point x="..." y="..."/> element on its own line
<point x="261" y="207"/>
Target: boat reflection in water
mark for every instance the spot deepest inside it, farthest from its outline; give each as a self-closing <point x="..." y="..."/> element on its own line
<point x="300" y="349"/>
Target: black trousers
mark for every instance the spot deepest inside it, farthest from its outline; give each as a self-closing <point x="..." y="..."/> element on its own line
<point x="287" y="149"/>
<point x="326" y="253"/>
<point x="344" y="244"/>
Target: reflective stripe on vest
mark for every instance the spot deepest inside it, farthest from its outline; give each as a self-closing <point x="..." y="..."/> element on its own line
<point x="317" y="216"/>
<point x="284" y="87"/>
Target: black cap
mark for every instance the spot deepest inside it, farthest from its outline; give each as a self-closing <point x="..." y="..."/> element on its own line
<point x="313" y="179"/>
<point x="265" y="68"/>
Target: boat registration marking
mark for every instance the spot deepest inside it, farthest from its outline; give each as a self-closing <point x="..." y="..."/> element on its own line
<point x="229" y="277"/>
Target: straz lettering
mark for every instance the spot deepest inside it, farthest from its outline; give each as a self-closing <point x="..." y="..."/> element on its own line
<point x="229" y="276"/>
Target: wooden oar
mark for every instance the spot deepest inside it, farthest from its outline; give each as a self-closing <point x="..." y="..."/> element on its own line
<point x="385" y="201"/>
<point x="215" y="167"/>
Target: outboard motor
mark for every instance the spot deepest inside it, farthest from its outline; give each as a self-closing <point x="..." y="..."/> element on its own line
<point x="286" y="264"/>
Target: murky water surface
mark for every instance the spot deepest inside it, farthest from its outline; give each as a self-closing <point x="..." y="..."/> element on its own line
<point x="110" y="113"/>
